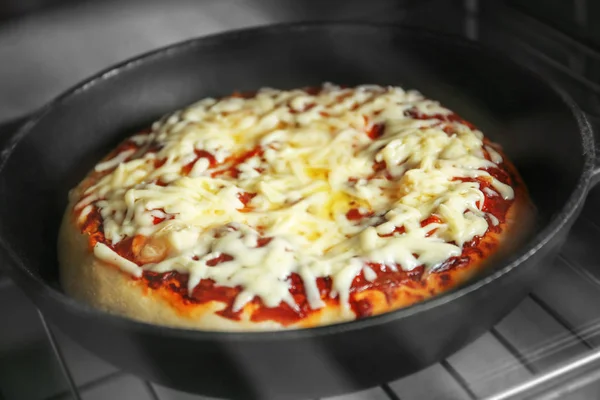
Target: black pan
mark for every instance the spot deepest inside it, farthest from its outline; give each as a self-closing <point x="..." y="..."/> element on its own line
<point x="541" y="129"/>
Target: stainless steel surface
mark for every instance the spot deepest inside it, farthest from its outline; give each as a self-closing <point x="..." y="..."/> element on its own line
<point x="548" y="347"/>
<point x="558" y="381"/>
<point x="60" y="358"/>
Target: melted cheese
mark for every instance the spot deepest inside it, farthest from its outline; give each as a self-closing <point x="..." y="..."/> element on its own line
<point x="106" y="254"/>
<point x="314" y="163"/>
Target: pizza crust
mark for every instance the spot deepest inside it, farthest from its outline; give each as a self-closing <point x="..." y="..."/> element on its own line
<point x="109" y="288"/>
<point x="105" y="287"/>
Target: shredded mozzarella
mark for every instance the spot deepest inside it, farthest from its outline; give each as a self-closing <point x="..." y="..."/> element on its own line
<point x="314" y="162"/>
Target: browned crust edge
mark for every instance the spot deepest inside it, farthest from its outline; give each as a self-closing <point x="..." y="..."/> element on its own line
<point x="107" y="288"/>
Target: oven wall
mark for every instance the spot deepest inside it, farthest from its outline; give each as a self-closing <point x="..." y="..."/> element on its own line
<point x="53" y="44"/>
<point x="577" y="18"/>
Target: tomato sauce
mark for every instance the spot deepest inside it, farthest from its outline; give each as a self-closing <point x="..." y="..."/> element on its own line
<point x="354" y="214"/>
<point x="212" y="162"/>
<point x="376" y="131"/>
<point x="452" y="117"/>
<point x="233" y="162"/>
<point x="93" y="227"/>
<point x="158" y="220"/>
<point x="387" y="279"/>
<point x="245" y="198"/>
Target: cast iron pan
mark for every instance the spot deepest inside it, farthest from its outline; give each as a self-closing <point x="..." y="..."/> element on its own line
<point x="541" y="129"/>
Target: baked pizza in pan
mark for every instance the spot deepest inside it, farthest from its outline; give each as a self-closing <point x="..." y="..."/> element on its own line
<point x="290" y="209"/>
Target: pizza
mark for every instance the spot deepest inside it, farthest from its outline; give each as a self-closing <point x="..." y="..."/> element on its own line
<point x="283" y="209"/>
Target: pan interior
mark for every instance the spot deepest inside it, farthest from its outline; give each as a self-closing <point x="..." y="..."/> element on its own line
<point x="536" y="128"/>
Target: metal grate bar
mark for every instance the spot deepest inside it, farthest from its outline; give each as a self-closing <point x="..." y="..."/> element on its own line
<point x="390" y="393"/>
<point x="376" y="393"/>
<point x="459" y="379"/>
<point x="433" y="382"/>
<point x="577" y="314"/>
<point x="90" y="385"/>
<point x="559" y="319"/>
<point x="151" y="390"/>
<point x="512" y="349"/>
<point x="538" y="337"/>
<point x="487" y="366"/>
<point x="579" y="270"/>
<point x="555" y="378"/>
<point x="60" y="358"/>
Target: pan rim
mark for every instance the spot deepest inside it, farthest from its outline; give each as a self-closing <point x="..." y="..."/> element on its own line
<point x="551" y="229"/>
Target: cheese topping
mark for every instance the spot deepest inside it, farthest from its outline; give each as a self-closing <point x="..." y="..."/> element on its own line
<point x="247" y="191"/>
